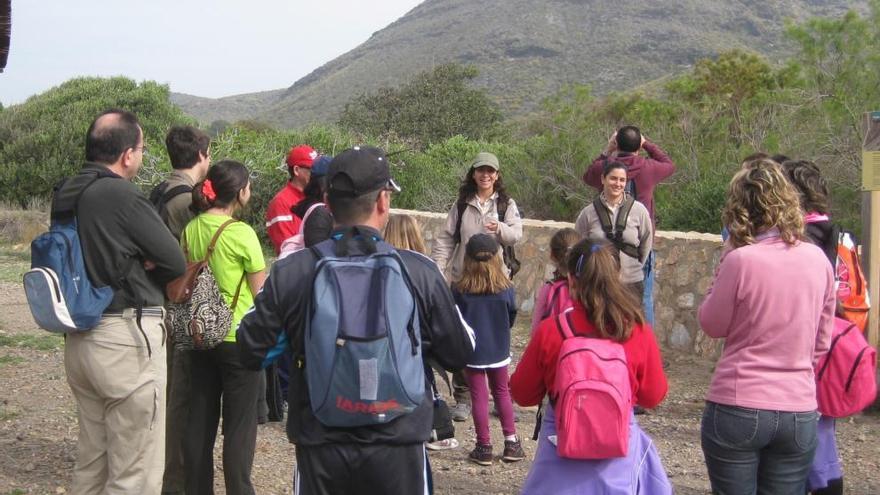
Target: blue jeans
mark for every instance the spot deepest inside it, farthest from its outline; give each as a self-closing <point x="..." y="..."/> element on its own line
<point x="648" y="294"/>
<point x="755" y="451"/>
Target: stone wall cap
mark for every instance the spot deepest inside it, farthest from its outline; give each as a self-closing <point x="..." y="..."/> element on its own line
<point x="552" y="224"/>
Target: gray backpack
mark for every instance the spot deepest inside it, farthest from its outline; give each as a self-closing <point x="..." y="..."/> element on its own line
<point x="363" y="356"/>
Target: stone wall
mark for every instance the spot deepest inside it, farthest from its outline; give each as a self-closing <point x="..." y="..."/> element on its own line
<point x="685" y="265"/>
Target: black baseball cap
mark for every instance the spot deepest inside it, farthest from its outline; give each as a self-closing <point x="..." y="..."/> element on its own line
<point x="359" y="170"/>
<point x="481" y="247"/>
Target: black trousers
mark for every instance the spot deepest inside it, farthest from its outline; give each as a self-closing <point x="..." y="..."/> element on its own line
<point x="361" y="468"/>
<point x="177" y="412"/>
<point x="461" y="392"/>
<point x="217" y="374"/>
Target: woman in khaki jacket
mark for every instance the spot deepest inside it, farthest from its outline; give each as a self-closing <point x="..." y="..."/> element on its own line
<point x="479" y="197"/>
<point x="481" y="191"/>
<point x="633" y="244"/>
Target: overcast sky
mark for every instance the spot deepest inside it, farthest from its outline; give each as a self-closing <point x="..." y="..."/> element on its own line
<point x="201" y="47"/>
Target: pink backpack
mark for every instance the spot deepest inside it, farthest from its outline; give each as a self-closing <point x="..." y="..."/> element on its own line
<point x="594" y="399"/>
<point x="559" y="299"/>
<point x="846" y="380"/>
<point x="298" y="241"/>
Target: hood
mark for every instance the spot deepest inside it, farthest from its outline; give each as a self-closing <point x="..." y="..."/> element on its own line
<point x="633" y="161"/>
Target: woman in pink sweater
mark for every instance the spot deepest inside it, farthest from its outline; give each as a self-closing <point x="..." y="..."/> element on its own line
<point x="772" y="300"/>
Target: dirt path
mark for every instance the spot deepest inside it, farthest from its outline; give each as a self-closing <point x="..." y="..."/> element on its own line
<point x="38" y="426"/>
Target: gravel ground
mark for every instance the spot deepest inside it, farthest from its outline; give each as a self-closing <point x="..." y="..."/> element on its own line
<point x="38" y="427"/>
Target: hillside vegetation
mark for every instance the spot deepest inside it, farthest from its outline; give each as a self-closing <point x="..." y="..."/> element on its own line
<point x="527" y="50"/>
<point x="707" y="118"/>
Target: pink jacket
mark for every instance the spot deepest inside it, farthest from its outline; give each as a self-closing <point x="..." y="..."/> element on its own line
<point x="774" y="304"/>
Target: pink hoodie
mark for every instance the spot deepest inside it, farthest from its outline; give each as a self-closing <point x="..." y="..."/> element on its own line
<point x="774" y="304"/>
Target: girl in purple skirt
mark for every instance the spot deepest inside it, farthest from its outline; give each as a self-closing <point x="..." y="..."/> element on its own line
<point x="603" y="308"/>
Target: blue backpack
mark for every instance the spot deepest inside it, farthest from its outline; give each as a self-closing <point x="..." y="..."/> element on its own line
<point x="61" y="296"/>
<point x="363" y="356"/>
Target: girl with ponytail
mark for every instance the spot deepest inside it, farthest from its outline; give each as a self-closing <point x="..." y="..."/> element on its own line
<point x="603" y="308"/>
<point x="237" y="264"/>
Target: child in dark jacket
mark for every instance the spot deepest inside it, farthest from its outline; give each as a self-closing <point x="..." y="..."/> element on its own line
<point x="486" y="298"/>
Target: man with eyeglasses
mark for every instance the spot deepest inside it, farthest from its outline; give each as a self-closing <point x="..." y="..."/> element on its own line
<point x="117" y="370"/>
<point x="281" y="223"/>
<point x="386" y="457"/>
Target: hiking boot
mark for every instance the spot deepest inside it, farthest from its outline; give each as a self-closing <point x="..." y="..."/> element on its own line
<point x="482" y="455"/>
<point x="446" y="444"/>
<point x="461" y="412"/>
<point x="513" y="451"/>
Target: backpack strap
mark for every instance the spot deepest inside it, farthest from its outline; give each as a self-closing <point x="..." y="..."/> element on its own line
<point x="211" y="245"/>
<point x="501" y="207"/>
<point x="237" y="292"/>
<point x="216" y="237"/>
<point x="614" y="232"/>
<point x="623" y="215"/>
<point x="555" y="289"/>
<point x="462" y="206"/>
<point x="210" y="251"/>
<point x="564" y="325"/>
<point x="309" y="212"/>
<point x="157" y="193"/>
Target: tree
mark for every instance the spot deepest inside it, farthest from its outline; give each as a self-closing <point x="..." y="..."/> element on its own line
<point x="433" y="106"/>
<point x="839" y="62"/>
<point x="42" y="140"/>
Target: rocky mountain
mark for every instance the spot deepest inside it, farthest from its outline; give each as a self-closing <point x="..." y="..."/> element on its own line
<point x="527" y="49"/>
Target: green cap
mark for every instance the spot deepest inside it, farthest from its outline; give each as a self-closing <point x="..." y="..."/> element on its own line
<point x="485" y="159"/>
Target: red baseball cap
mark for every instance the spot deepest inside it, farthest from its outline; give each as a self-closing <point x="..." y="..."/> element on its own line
<point x="301" y="156"/>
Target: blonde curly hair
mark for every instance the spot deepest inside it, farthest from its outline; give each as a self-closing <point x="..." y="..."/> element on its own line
<point x="759" y="198"/>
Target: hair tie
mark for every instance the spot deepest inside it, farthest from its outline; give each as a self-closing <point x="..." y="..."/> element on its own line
<point x="208" y="190"/>
<point x="595" y="247"/>
<point x="580" y="264"/>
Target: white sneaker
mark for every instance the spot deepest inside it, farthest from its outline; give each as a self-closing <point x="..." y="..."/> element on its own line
<point x="449" y="443"/>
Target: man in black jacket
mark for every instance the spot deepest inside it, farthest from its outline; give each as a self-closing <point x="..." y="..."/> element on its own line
<point x="381" y="458"/>
<point x="116" y="370"/>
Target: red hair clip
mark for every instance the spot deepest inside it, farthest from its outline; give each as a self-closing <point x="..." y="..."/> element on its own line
<point x="208" y="190"/>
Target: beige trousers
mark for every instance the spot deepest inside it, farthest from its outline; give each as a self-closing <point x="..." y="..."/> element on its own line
<point x="120" y="396"/>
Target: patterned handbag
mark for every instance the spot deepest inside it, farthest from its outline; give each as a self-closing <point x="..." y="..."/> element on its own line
<point x="200" y="317"/>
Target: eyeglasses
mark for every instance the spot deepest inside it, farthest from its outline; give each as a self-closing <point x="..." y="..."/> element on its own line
<point x="142" y="148"/>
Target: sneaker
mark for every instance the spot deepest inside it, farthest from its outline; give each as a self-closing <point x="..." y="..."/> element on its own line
<point x="513" y="451"/>
<point x="446" y="444"/>
<point x="461" y="412"/>
<point x="482" y="455"/>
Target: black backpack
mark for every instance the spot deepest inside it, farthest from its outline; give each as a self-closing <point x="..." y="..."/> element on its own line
<point x="508" y="253"/>
<point x="614" y="232"/>
<point x="160" y="197"/>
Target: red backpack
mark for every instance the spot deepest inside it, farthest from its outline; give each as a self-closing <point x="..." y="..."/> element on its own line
<point x="845" y="377"/>
<point x="594" y="398"/>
